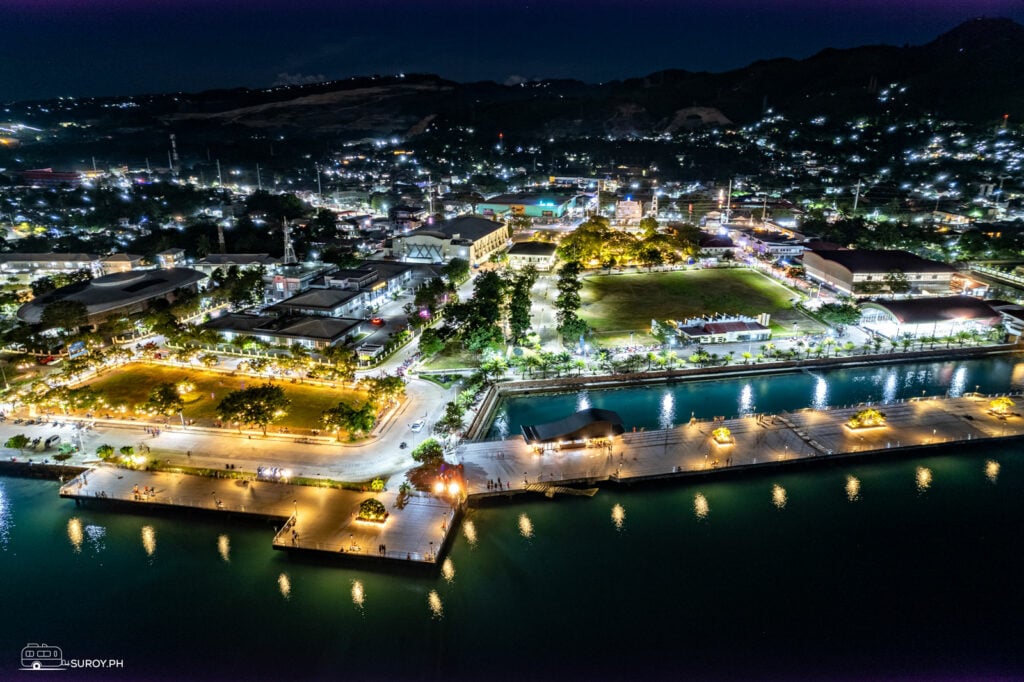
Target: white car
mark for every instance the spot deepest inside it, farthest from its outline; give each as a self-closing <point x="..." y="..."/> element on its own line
<point x="417" y="426"/>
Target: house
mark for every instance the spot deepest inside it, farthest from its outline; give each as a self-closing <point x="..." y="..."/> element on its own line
<point x="725" y="329"/>
<point x="540" y="255"/>
<point x="120" y="262"/>
<point x="859" y="271"/>
<point x="468" y="237"/>
<point x="171" y="258"/>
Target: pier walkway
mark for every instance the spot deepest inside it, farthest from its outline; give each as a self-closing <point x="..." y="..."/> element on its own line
<point x="324" y="519"/>
<point x="757" y="440"/>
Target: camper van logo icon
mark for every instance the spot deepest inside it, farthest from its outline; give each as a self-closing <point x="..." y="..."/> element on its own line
<point x="42" y="657"/>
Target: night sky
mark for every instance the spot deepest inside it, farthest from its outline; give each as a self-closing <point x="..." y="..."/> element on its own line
<point x="101" y="47"/>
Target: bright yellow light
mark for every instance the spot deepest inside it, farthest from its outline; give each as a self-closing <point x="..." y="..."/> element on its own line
<point x="284" y="584"/>
<point x="852" y="488"/>
<point x="778" y="496"/>
<point x="224" y="548"/>
<point x="149" y="540"/>
<point x="469" y="530"/>
<point x="454" y="488"/>
<point x="700" y="506"/>
<point x="358" y="595"/>
<point x="618" y="516"/>
<point x="525" y="526"/>
<point x="434" y="601"/>
<point x="924" y="479"/>
<point x="992" y="470"/>
<point x="439" y="487"/>
<point x="75" y="533"/>
<point x="448" y="570"/>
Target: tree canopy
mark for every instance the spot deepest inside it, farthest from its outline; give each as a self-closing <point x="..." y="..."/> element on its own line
<point x="257" y="405"/>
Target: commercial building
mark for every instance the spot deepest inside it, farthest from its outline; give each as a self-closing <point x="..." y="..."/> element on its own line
<point x="468" y="237"/>
<point x="934" y="316"/>
<point x="223" y="261"/>
<point x="42" y="264"/>
<point x="866" y="271"/>
<point x="537" y="206"/>
<point x="725" y="329"/>
<point x="120" y="262"/>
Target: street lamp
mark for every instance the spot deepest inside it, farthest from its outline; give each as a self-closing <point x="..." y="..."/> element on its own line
<point x="295" y="506"/>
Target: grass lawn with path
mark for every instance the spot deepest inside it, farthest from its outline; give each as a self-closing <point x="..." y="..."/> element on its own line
<point x="452" y="356"/>
<point x="130" y="386"/>
<point x="616" y="305"/>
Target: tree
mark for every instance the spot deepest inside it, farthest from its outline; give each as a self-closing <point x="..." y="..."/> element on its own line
<point x="839" y="314"/>
<point x="165" y="399"/>
<point x="354" y="420"/>
<point x="105" y="451"/>
<point x="568" y="302"/>
<point x="66" y="315"/>
<point x="897" y="282"/>
<point x="431" y="342"/>
<point x="452" y="420"/>
<point x="258" y="405"/>
<point x="429" y="451"/>
<point x="372" y="510"/>
<point x="456" y="270"/>
<point x="126" y="450"/>
<point x="18" y="442"/>
<point x="520" y="304"/>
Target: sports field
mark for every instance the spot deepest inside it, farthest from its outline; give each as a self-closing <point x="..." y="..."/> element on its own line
<point x="617" y="305"/>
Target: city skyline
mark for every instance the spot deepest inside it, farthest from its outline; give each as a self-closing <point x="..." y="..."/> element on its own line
<point x="112" y="47"/>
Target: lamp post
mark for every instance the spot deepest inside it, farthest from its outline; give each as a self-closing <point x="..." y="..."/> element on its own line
<point x="295" y="507"/>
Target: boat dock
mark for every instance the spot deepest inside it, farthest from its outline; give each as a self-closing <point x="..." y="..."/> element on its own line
<point x="754" y="441"/>
<point x="323" y="519"/>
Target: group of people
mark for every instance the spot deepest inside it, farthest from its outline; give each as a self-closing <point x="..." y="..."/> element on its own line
<point x="147" y="492"/>
<point x="498" y="485"/>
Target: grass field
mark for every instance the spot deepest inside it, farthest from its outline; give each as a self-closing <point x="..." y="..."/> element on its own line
<point x="452" y="356"/>
<point x="616" y="305"/>
<point x="130" y="386"/>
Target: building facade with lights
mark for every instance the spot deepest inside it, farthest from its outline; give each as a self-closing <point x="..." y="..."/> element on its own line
<point x="470" y="238"/>
<point x="537" y="206"/>
<point x="861" y="271"/>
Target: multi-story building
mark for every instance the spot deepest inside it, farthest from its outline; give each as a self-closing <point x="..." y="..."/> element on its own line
<point x="468" y="237"/>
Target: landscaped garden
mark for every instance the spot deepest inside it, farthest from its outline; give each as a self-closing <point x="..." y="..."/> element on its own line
<point x="617" y="305"/>
<point x="129" y="386"/>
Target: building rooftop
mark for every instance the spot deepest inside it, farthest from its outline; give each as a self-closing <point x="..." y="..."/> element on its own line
<point x="239" y="259"/>
<point x="326" y="299"/>
<point x="546" y="199"/>
<point x="46" y="257"/>
<point x="876" y="260"/>
<point x="589" y="423"/>
<point x="115" y="291"/>
<point x="935" y="309"/>
<point x="466" y="227"/>
<point x="532" y="249"/>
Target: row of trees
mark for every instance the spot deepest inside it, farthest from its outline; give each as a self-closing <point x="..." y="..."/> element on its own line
<point x="596" y="242"/>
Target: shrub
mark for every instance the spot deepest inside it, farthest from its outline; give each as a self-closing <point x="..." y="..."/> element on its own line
<point x="372" y="510"/>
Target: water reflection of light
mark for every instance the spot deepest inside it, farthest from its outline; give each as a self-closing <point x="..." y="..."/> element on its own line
<point x="6" y="523"/>
<point x="358" y="596"/>
<point x="224" y="548"/>
<point x="778" y="496"/>
<point x="149" y="540"/>
<point x="75" y="534"/>
<point x="667" y="415"/>
<point x="448" y="570"/>
<point x="924" y="479"/>
<point x="501" y="425"/>
<point x="700" y="506"/>
<point x="746" y="399"/>
<point x="434" y="602"/>
<point x="852" y="488"/>
<point x="96" y="537"/>
<point x="583" y="401"/>
<point x="469" y="530"/>
<point x="958" y="383"/>
<point x="525" y="526"/>
<point x="285" y="585"/>
<point x="889" y="388"/>
<point x="618" y="516"/>
<point x="820" y="400"/>
<point x="992" y="470"/>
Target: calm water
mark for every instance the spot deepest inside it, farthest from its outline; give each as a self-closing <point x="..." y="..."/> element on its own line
<point x="672" y="404"/>
<point x="912" y="568"/>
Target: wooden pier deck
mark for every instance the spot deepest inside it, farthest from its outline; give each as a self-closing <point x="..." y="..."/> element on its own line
<point x="757" y="440"/>
<point x="324" y="518"/>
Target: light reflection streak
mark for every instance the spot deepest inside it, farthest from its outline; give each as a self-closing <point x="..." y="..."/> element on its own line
<point x="224" y="548"/>
<point x="700" y="506"/>
<point x="358" y="594"/>
<point x="434" y="602"/>
<point x="889" y="388"/>
<point x="820" y="400"/>
<point x="779" y="496"/>
<point x="852" y="488"/>
<point x="149" y="540"/>
<point x="284" y="584"/>
<point x="958" y="383"/>
<point x="75" y="534"/>
<point x="448" y="570"/>
<point x="992" y="470"/>
<point x="924" y="479"/>
<point x="6" y="521"/>
<point x="746" y="405"/>
<point x="96" y="536"/>
<point x="618" y="517"/>
<point x="667" y="415"/>
<point x="583" y="401"/>
<point x="525" y="526"/>
<point x="469" y="530"/>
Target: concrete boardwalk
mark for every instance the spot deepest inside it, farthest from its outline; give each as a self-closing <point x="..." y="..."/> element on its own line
<point x="757" y="440"/>
<point x="326" y="517"/>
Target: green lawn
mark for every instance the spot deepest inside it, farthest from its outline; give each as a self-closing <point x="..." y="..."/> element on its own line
<point x="616" y="305"/>
<point x="130" y="386"/>
<point x="452" y="356"/>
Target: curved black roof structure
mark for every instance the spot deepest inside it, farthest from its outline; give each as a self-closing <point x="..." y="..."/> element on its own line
<point x="589" y="423"/>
